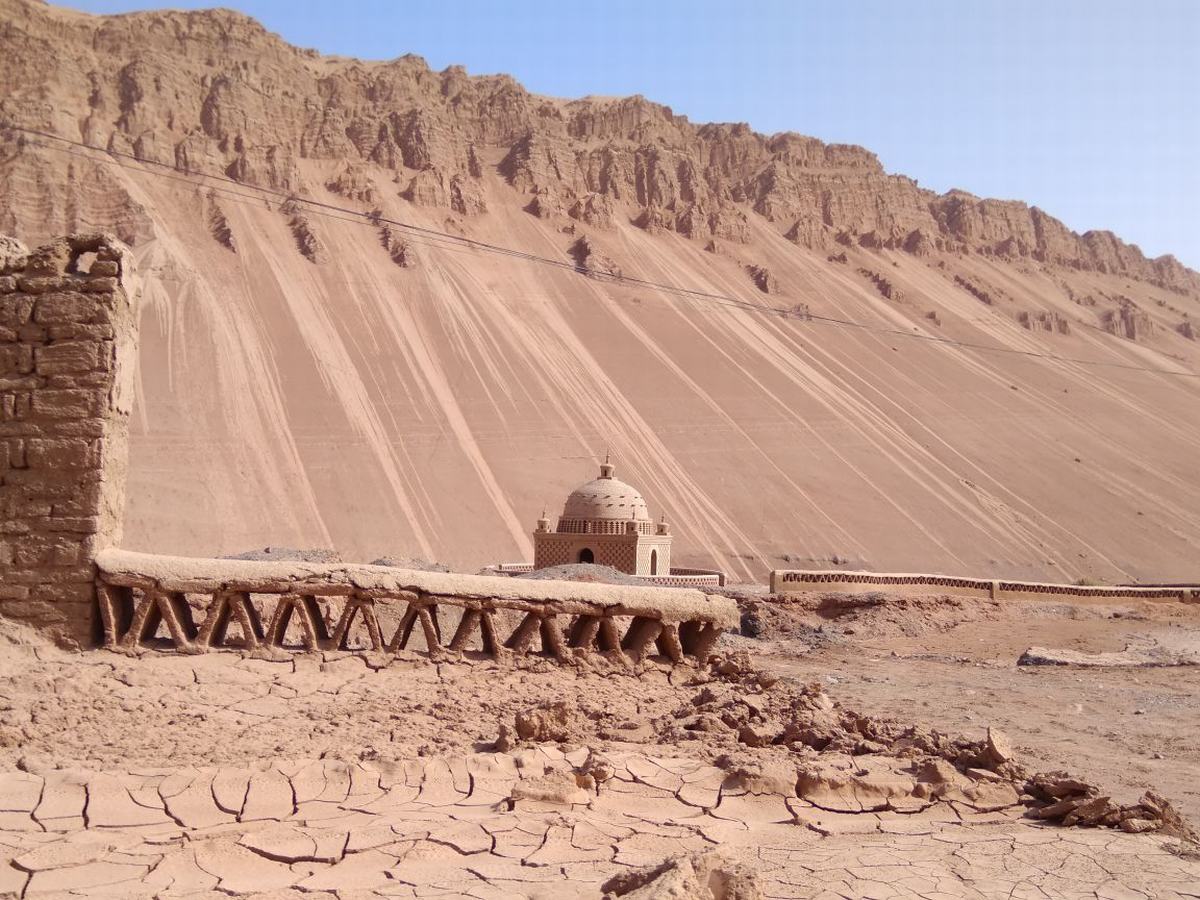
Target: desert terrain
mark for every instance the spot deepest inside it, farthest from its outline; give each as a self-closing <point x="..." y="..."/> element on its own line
<point x="978" y="389"/>
<point x="342" y="775"/>
<point x="392" y="314"/>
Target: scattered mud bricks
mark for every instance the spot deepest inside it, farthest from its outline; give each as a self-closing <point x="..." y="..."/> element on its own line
<point x="66" y="326"/>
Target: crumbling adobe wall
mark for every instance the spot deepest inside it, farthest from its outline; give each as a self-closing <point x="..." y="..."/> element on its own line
<point x="67" y="355"/>
<point x="787" y="581"/>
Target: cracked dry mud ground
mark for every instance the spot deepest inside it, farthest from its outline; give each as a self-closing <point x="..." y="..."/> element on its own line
<point x="318" y="776"/>
<point x="950" y="663"/>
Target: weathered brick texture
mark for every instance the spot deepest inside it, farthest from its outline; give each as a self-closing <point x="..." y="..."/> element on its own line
<point x="67" y="352"/>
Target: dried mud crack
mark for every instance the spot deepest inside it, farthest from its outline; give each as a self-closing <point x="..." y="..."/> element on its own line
<point x="195" y="776"/>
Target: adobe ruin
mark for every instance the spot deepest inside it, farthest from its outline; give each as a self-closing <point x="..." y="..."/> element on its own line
<point x="69" y="334"/>
<point x="69" y="346"/>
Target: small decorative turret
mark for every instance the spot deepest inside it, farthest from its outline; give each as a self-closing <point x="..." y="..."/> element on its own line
<point x="606" y="468"/>
<point x="663" y="527"/>
<point x="543" y="524"/>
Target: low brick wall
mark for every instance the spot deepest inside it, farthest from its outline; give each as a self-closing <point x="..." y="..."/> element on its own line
<point x="786" y="581"/>
<point x="186" y="603"/>
<point x="67" y="353"/>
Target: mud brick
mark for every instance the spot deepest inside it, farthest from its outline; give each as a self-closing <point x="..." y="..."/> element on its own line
<point x="99" y="286"/>
<point x="60" y="453"/>
<point x="68" y="404"/>
<point x="47" y="550"/>
<point x="104" y="267"/>
<point x="65" y="357"/>
<point x="15" y="311"/>
<point x="16" y="359"/>
<point x="41" y="284"/>
<point x="72" y="308"/>
<point x="81" y="331"/>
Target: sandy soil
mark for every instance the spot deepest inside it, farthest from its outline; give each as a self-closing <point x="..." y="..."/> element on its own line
<point x="342" y="775"/>
<point x="953" y="664"/>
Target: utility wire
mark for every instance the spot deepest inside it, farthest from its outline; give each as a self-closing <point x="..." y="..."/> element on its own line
<point x="434" y="237"/>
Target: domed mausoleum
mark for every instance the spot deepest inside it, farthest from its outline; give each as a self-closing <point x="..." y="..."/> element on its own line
<point x="605" y="522"/>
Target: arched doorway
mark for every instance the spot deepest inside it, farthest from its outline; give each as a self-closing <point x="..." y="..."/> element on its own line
<point x="585" y="555"/>
<point x="653" y="562"/>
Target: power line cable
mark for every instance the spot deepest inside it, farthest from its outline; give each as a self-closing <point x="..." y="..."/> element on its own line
<point x="434" y="237"/>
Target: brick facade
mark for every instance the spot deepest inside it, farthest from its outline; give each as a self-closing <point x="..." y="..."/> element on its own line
<point x="67" y="354"/>
<point x="605" y="520"/>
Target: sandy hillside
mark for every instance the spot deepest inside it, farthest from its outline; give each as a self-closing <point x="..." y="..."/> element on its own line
<point x="312" y="379"/>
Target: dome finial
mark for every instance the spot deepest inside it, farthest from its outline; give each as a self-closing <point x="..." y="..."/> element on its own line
<point x="606" y="467"/>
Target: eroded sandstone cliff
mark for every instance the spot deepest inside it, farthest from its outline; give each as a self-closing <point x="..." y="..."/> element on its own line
<point x="304" y="379"/>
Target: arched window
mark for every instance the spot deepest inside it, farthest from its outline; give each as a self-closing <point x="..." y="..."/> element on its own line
<point x="653" y="562"/>
<point x="586" y="556"/>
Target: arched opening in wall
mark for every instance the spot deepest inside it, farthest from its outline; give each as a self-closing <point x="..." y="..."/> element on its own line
<point x="653" y="562"/>
<point x="586" y="556"/>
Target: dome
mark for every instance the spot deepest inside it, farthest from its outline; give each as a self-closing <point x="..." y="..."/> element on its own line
<point x="606" y="498"/>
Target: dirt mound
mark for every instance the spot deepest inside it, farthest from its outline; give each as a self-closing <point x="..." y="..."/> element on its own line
<point x="408" y="562"/>
<point x="289" y="554"/>
<point x="816" y="618"/>
<point x="694" y="876"/>
<point x="773" y="735"/>
<point x="583" y="572"/>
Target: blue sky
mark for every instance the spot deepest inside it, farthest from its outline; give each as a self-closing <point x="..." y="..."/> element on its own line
<point x="1089" y="109"/>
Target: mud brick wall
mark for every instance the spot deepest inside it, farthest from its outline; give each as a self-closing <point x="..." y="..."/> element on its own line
<point x="67" y="355"/>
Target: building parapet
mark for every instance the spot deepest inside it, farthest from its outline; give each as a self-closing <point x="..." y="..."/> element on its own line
<point x="678" y="581"/>
<point x="687" y="570"/>
<point x="510" y="568"/>
<point x="603" y="526"/>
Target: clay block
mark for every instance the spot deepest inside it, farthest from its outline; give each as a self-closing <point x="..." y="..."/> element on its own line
<point x="46" y="576"/>
<point x="86" y="505"/>
<point x="68" y="404"/>
<point x="16" y="311"/>
<point x="75" y="524"/>
<point x="41" y="284"/>
<point x="66" y="357"/>
<point x="19" y="383"/>
<point x="15" y="407"/>
<point x="36" y="612"/>
<point x="41" y="483"/>
<point x="64" y="307"/>
<point x="92" y="429"/>
<point x="99" y="285"/>
<point x="61" y="453"/>
<point x="103" y="267"/>
<point x="46" y="550"/>
<point x="16" y="359"/>
<point x="76" y="592"/>
<point x="32" y="333"/>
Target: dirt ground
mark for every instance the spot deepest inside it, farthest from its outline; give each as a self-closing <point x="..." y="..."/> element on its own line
<point x="952" y="663"/>
<point x="843" y="751"/>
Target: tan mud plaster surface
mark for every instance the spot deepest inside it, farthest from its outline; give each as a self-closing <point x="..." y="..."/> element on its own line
<point x="203" y="776"/>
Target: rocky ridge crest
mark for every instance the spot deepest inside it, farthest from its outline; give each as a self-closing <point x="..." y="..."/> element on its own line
<point x="214" y="92"/>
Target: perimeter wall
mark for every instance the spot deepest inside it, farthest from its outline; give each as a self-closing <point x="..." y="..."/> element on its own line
<point x="789" y="581"/>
